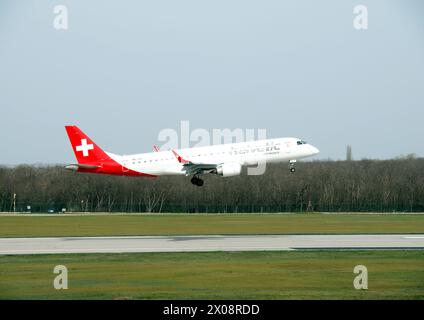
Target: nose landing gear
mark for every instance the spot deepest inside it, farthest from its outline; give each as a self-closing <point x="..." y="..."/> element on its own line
<point x="291" y="166"/>
<point x="197" y="181"/>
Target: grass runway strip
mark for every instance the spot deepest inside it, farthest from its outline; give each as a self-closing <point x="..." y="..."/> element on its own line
<point x="186" y="224"/>
<point x="392" y="274"/>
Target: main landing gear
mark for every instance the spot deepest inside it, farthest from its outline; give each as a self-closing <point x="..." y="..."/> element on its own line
<point x="291" y="166"/>
<point x="197" y="181"/>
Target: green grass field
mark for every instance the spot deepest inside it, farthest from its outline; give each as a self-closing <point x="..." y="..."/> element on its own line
<point x="185" y="224"/>
<point x="392" y="274"/>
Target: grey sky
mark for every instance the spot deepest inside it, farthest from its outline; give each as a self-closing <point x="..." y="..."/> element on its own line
<point x="127" y="69"/>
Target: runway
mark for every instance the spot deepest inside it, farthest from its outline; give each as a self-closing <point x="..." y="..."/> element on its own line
<point x="14" y="246"/>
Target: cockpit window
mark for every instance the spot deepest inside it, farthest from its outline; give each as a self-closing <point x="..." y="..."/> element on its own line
<point x="300" y="142"/>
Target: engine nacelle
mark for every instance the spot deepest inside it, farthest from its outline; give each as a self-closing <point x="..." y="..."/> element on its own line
<point x="229" y="169"/>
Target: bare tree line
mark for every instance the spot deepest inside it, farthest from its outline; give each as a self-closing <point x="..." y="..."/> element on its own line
<point x="335" y="186"/>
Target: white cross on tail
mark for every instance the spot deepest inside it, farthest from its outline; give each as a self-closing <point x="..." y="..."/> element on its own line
<point x="84" y="147"/>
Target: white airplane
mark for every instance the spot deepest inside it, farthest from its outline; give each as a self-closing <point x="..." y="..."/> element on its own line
<point x="225" y="160"/>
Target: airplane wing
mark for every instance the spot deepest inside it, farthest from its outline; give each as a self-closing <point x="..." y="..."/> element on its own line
<point x="199" y="168"/>
<point x="195" y="168"/>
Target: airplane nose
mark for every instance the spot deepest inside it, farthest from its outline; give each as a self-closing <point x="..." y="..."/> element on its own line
<point x="314" y="150"/>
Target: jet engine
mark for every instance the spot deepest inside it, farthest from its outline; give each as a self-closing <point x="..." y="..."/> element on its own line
<point x="229" y="169"/>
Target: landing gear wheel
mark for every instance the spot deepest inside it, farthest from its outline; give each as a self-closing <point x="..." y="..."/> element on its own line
<point x="193" y="180"/>
<point x="197" y="181"/>
<point x="291" y="167"/>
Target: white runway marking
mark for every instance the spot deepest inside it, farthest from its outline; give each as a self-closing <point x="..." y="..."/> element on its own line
<point x="206" y="243"/>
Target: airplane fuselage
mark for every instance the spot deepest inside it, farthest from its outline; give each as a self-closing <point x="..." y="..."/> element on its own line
<point x="225" y="160"/>
<point x="245" y="153"/>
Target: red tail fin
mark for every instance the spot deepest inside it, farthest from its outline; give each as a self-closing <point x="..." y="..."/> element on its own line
<point x="86" y="151"/>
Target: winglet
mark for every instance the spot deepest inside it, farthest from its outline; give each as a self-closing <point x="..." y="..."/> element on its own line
<point x="156" y="148"/>
<point x="179" y="158"/>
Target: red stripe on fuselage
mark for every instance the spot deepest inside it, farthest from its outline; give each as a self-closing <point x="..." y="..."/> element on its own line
<point x="114" y="168"/>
